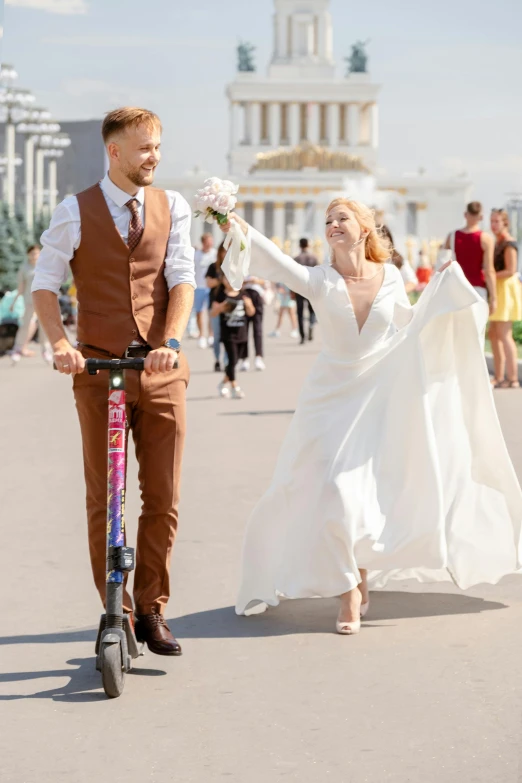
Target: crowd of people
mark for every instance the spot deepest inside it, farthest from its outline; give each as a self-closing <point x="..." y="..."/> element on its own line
<point x="227" y="322"/>
<point x="224" y="319"/>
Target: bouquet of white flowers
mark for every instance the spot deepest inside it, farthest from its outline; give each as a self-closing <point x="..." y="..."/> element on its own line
<point x="215" y="200"/>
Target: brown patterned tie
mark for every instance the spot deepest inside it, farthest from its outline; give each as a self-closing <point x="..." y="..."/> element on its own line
<point x="135" y="225"/>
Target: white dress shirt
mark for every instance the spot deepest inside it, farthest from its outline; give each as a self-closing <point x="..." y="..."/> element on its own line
<point x="62" y="238"/>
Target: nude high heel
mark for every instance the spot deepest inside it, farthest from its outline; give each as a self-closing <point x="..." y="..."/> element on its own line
<point x="348" y="629"/>
<point x="364" y="608"/>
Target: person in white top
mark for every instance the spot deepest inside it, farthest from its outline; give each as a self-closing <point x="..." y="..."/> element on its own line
<point x="357" y="498"/>
<point x="203" y="258"/>
<point x="63" y="237"/>
<point x="25" y="278"/>
<point x="128" y="245"/>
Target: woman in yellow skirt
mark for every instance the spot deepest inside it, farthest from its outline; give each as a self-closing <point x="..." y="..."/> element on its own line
<point x="509" y="303"/>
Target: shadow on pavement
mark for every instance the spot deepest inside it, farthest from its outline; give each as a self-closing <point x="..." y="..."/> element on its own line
<point x="309" y="615"/>
<point x="58" y="637"/>
<point x="84" y="682"/>
<point x="258" y="413"/>
<point x="317" y="616"/>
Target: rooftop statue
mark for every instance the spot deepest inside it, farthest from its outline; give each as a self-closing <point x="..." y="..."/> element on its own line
<point x="358" y="60"/>
<point x="245" y="60"/>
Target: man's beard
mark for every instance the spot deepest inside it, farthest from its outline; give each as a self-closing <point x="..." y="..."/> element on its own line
<point x="138" y="177"/>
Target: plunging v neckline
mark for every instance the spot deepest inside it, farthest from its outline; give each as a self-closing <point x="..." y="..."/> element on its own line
<point x="377" y="294"/>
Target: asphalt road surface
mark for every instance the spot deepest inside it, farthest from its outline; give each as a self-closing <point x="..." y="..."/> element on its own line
<point x="428" y="692"/>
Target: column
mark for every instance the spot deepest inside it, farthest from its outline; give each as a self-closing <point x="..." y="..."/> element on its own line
<point x="279" y="220"/>
<point x="29" y="182"/>
<point x="299" y="218"/>
<point x="39" y="200"/>
<point x="334" y="125"/>
<point x="313" y="123"/>
<point x="247" y="134"/>
<point x="321" y="34"/>
<point x="293" y="124"/>
<point x="274" y="119"/>
<point x="354" y="131"/>
<point x="255" y="124"/>
<point x="374" y="125"/>
<point x="345" y="108"/>
<point x="282" y="35"/>
<point x="259" y="216"/>
<point x="364" y="125"/>
<point x="10" y="153"/>
<point x="53" y="184"/>
<point x="235" y="121"/>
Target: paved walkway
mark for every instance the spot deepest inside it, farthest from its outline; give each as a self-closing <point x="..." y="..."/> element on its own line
<point x="429" y="692"/>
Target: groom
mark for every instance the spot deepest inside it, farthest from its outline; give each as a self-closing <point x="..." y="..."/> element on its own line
<point x="128" y="246"/>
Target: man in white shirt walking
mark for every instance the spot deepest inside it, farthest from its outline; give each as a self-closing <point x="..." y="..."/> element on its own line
<point x="128" y="246"/>
<point x="202" y="260"/>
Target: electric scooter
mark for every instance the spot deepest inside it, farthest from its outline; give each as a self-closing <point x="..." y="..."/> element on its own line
<point x="116" y="645"/>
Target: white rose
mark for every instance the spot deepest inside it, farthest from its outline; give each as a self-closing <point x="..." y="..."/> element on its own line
<point x="225" y="203"/>
<point x="229" y="187"/>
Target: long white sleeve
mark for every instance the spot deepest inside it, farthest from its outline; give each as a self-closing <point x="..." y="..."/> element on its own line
<point x="268" y="262"/>
<point x="59" y="243"/>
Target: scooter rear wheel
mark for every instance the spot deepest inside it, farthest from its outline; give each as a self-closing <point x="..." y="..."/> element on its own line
<point x="113" y="675"/>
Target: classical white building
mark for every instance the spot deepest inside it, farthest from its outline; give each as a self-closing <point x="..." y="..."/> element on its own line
<point x="302" y="135"/>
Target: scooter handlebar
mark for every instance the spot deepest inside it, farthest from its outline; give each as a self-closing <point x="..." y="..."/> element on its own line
<point x="93" y="365"/>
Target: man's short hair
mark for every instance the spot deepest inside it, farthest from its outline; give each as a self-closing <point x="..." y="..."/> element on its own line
<point x="128" y="117"/>
<point x="206" y="236"/>
<point x="474" y="208"/>
<point x="30" y="248"/>
<point x="303" y="243"/>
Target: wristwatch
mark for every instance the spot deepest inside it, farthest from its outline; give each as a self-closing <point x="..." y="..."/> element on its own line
<point x="173" y="344"/>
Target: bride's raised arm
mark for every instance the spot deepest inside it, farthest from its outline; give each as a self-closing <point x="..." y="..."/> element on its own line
<point x="270" y="263"/>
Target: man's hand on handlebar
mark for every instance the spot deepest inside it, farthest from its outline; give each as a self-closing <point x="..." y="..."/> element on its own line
<point x="160" y="360"/>
<point x="67" y="359"/>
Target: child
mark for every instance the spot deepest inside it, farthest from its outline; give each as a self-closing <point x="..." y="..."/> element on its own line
<point x="233" y="307"/>
<point x="254" y="288"/>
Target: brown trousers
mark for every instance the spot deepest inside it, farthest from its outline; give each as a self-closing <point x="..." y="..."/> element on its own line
<point x="156" y="417"/>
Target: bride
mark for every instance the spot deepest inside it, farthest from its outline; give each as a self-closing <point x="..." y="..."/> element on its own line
<point x="362" y="493"/>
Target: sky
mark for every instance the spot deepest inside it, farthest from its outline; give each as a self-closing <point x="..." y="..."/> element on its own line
<point x="451" y="74"/>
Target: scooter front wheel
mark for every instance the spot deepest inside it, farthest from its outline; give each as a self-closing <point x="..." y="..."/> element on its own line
<point x="112" y="672"/>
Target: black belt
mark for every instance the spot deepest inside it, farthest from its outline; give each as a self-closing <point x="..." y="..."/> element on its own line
<point x="132" y="352"/>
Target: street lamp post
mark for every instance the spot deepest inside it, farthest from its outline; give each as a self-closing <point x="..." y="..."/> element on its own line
<point x="14" y="103"/>
<point x="3" y="172"/>
<point x="38" y="124"/>
<point x="51" y="147"/>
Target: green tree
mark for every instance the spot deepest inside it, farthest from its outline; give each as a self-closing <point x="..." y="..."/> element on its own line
<point x="41" y="224"/>
<point x="14" y="238"/>
<point x="7" y="265"/>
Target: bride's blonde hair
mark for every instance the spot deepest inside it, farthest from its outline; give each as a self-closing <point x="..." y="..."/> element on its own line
<point x="377" y="247"/>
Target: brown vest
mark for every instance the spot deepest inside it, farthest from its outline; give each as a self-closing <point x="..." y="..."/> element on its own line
<point x="121" y="295"/>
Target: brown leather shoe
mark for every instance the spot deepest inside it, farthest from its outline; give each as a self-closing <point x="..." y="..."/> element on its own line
<point x="152" y="629"/>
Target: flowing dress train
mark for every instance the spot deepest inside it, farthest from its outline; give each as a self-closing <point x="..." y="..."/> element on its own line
<point x="394" y="460"/>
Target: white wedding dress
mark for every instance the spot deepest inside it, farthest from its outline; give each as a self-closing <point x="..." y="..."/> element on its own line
<point x="394" y="460"/>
